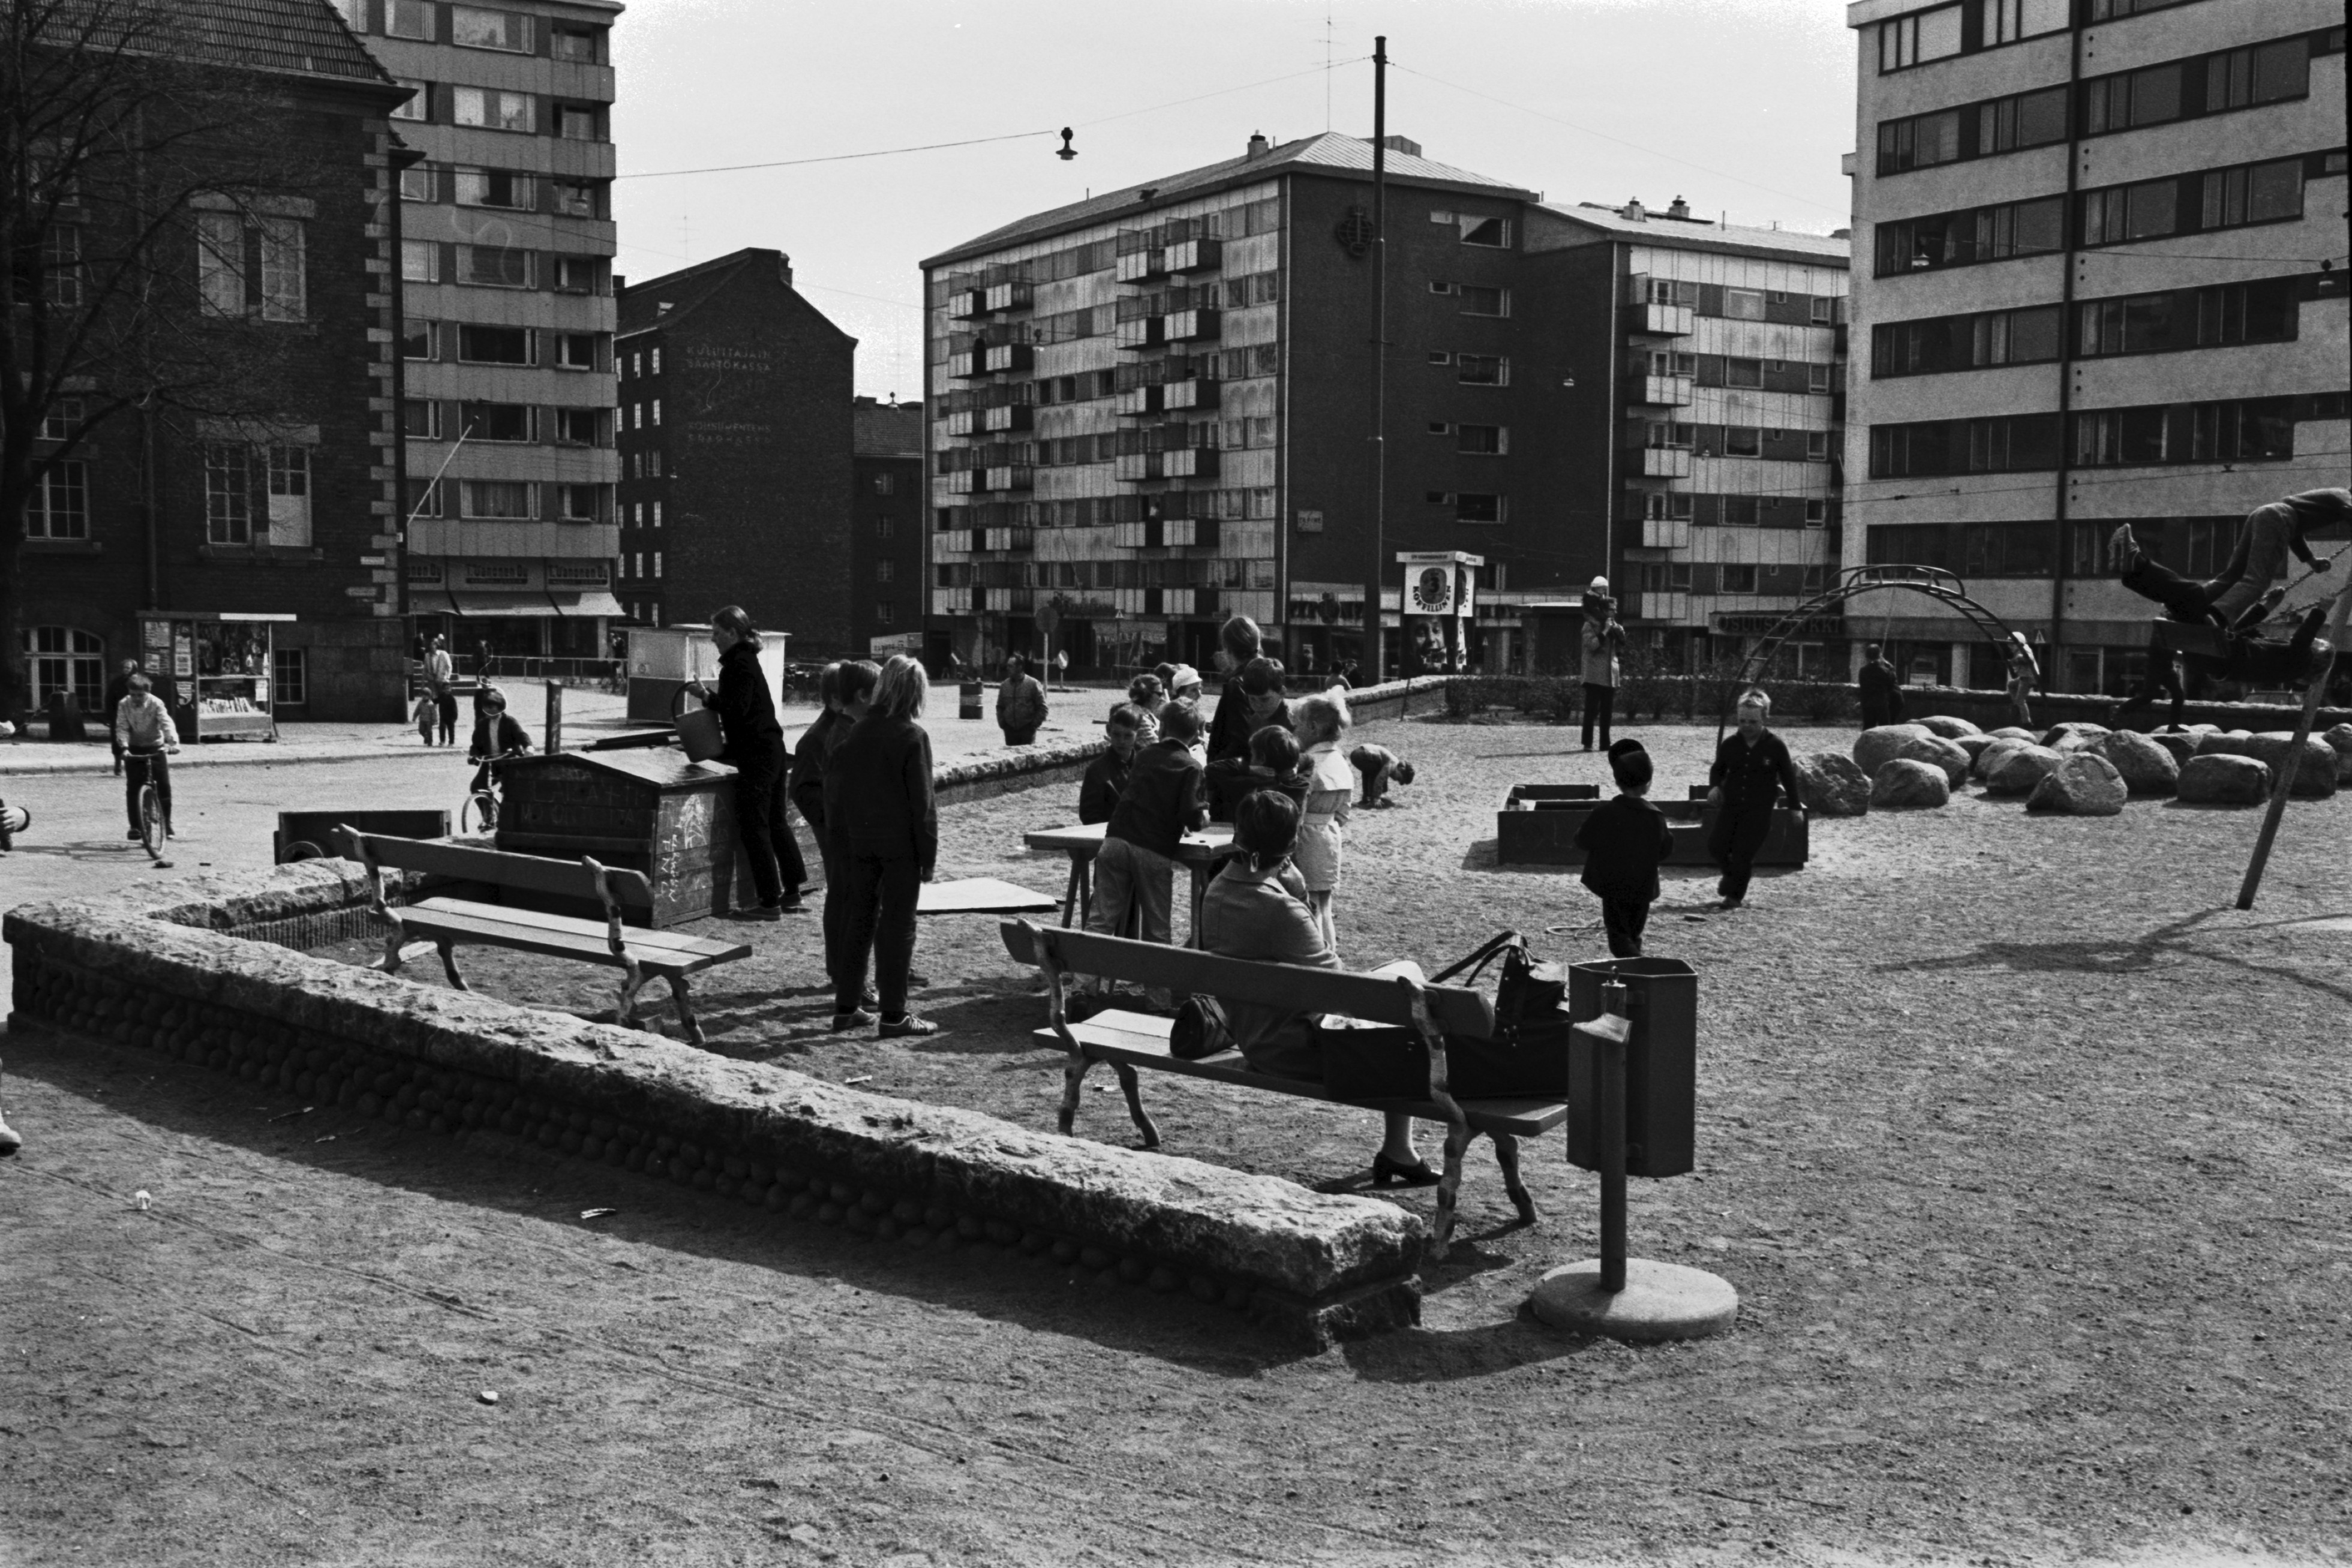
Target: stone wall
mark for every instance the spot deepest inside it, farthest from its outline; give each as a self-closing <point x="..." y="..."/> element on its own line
<point x="194" y="970"/>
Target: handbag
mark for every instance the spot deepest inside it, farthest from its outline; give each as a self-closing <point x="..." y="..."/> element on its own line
<point x="1528" y="1053"/>
<point x="1200" y="1030"/>
<point x="1525" y="988"/>
<point x="699" y="733"/>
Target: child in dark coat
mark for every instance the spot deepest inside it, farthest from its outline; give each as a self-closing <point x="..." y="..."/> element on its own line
<point x="1623" y="842"/>
<point x="1106" y="780"/>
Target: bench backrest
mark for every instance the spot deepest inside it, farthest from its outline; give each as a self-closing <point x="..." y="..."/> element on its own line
<point x="1455" y="1009"/>
<point x="531" y="873"/>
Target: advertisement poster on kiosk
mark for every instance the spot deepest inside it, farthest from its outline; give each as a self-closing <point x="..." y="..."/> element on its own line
<point x="1437" y="600"/>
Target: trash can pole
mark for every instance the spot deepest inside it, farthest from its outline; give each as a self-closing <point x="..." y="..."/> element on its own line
<point x="1610" y="1126"/>
<point x="555" y="738"/>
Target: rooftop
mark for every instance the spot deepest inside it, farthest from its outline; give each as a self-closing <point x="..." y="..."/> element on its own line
<point x="1657" y="227"/>
<point x="283" y="38"/>
<point x="669" y="298"/>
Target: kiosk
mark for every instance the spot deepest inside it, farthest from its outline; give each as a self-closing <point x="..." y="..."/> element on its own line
<point x="664" y="658"/>
<point x="213" y="670"/>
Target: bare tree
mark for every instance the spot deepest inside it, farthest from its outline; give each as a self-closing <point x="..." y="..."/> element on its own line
<point x="123" y="124"/>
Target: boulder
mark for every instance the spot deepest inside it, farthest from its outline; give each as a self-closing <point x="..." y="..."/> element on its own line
<point x="2073" y="736"/>
<point x="1974" y="746"/>
<point x="2147" y="767"/>
<point x="1937" y="753"/>
<point x="2021" y="770"/>
<point x="2013" y="733"/>
<point x="2223" y="743"/>
<point x="1950" y="728"/>
<point x="1905" y="784"/>
<point x="2082" y="784"/>
<point x="1832" y="784"/>
<point x="2179" y="744"/>
<point x="1873" y="747"/>
<point x="2339" y="740"/>
<point x="1998" y="751"/>
<point x="2314" y="780"/>
<point x="2219" y="778"/>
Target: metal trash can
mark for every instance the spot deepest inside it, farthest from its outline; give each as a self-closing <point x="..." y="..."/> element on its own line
<point x="968" y="699"/>
<point x="1661" y="1064"/>
<point x="65" y="716"/>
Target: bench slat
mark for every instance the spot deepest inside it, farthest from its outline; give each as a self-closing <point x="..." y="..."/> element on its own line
<point x="587" y="943"/>
<point x="1454" y="1009"/>
<point x="638" y="938"/>
<point x="1141" y="1040"/>
<point x="531" y="873"/>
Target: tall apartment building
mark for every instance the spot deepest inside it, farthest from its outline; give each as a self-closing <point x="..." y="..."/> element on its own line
<point x="2105" y="283"/>
<point x="735" y="408"/>
<point x="506" y="340"/>
<point x="887" y="516"/>
<point x="1153" y="409"/>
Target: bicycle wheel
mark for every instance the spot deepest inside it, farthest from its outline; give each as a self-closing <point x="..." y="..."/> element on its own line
<point x="151" y="832"/>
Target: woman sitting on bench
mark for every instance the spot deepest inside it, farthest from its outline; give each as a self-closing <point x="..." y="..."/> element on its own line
<point x="1256" y="909"/>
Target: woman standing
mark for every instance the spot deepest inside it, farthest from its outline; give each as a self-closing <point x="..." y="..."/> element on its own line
<point x="1751" y="768"/>
<point x="755" y="746"/>
<point x="440" y="671"/>
<point x="885" y="833"/>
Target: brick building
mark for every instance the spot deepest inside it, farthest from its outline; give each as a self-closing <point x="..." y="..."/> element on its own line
<point x="281" y="502"/>
<point x="885" y="557"/>
<point x="1150" y="410"/>
<point x="735" y="451"/>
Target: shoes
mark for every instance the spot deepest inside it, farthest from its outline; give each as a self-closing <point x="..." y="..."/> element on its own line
<point x="134" y="835"/>
<point x="899" y="1028"/>
<point x="791" y="904"/>
<point x="871" y="1000"/>
<point x="763" y="912"/>
<point x="1386" y="1171"/>
<point x="844" y="1022"/>
<point x="1729" y="904"/>
<point x="917" y="982"/>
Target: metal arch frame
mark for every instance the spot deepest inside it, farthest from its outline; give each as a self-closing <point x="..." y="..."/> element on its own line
<point x="1937" y="583"/>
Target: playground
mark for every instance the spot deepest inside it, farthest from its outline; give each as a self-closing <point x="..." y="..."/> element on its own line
<point x="2022" y="1145"/>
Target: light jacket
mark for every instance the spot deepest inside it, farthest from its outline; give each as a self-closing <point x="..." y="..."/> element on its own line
<point x="1600" y="643"/>
<point x="145" y="726"/>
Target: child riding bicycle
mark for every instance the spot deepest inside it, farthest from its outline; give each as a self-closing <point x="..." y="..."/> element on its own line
<point x="497" y="737"/>
<point x="144" y="733"/>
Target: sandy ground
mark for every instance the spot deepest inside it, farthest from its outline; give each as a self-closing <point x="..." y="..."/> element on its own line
<point x="2025" y="1152"/>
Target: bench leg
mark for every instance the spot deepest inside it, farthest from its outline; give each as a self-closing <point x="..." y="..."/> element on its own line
<point x="625" y="1014"/>
<point x="1073" y="1073"/>
<point x="1449" y="1189"/>
<point x="449" y="964"/>
<point x="1127" y="1081"/>
<point x="1506" y="1155"/>
<point x="393" y="955"/>
<point x="686" y="1012"/>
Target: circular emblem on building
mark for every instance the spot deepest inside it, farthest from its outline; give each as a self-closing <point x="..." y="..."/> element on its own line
<point x="1355" y="231"/>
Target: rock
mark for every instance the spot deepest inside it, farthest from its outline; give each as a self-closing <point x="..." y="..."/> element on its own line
<point x="2314" y="780"/>
<point x="2223" y="743"/>
<point x="1873" y="747"/>
<point x="2221" y="778"/>
<point x="2012" y="732"/>
<point x="1997" y="753"/>
<point x="2021" y="770"/>
<point x="1832" y="784"/>
<point x="1950" y="728"/>
<point x="2082" y="784"/>
<point x="2073" y="736"/>
<point x="2147" y="767"/>
<point x="2179" y="744"/>
<point x="1973" y="745"/>
<point x="2339" y="740"/>
<point x="1937" y="753"/>
<point x="1905" y="784"/>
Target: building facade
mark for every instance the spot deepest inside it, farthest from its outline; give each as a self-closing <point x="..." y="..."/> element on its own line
<point x="735" y="449"/>
<point x="2101" y="281"/>
<point x="887" y="516"/>
<point x="506" y="338"/>
<point x="258" y="486"/>
<point x="1153" y="409"/>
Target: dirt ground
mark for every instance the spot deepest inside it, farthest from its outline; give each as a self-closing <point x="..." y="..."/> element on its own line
<point x="2026" y="1154"/>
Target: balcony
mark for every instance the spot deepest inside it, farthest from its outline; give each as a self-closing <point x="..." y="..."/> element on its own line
<point x="1194" y="326"/>
<point x="1189" y="463"/>
<point x="1131" y="467"/>
<point x="1003" y="601"/>
<point x="1658" y="391"/>
<point x="1197" y="391"/>
<point x="959" y="483"/>
<point x="1663" y="321"/>
<point x="952" y="542"/>
<point x="1666" y="462"/>
<point x="1008" y="537"/>
<point x="998" y="357"/>
<point x="950" y="601"/>
<point x="1193" y="255"/>
<point x="963" y="422"/>
<point x="1186" y="532"/>
<point x="1008" y="476"/>
<point x="1671" y="608"/>
<point x="1136" y="400"/>
<point x="1177" y="601"/>
<point x="1012" y="416"/>
<point x="1665" y="533"/>
<point x="1140" y="266"/>
<point x="965" y="303"/>
<point x="1142" y="333"/>
<point x="964" y="364"/>
<point x="1013" y="296"/>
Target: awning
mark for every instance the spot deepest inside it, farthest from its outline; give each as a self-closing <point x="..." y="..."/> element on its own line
<point x="588" y="605"/>
<point x="499" y="604"/>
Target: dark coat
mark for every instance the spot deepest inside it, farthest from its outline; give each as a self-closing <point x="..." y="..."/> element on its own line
<point x="1623" y="841"/>
<point x="878" y="792"/>
<point x="1882" y="693"/>
<point x="1163" y="800"/>
<point x="1752" y="777"/>
<point x="1105" y="782"/>
<point x="810" y="755"/>
<point x="747" y="714"/>
<point x="498" y="740"/>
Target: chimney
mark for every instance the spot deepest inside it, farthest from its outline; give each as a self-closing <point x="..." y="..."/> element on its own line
<point x="1404" y="144"/>
<point x="784" y="269"/>
<point x="1633" y="210"/>
<point x="620" y="285"/>
<point x="1841" y="234"/>
<point x="1257" y="144"/>
<point x="1678" y="208"/>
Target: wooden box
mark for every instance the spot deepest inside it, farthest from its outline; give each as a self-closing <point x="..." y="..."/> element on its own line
<point x="1538" y="824"/>
<point x="647" y="810"/>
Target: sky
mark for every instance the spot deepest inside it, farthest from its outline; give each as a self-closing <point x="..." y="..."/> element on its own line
<point x="1741" y="107"/>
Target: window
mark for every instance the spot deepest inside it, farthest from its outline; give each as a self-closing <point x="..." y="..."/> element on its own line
<point x="580" y="503"/>
<point x="578" y="426"/>
<point x="886" y="484"/>
<point x="2261" y="194"/>
<point x="1738" y="578"/>
<point x="1819" y="377"/>
<point x="61" y="422"/>
<point x="2006" y="21"/>
<point x="420" y="418"/>
<point x="496" y="421"/>
<point x="657" y="510"/>
<point x="576" y="123"/>
<point x="63" y="659"/>
<point x="577" y="198"/>
<point x="1938" y="345"/>
<point x="61" y="273"/>
<point x="420" y="103"/>
<point x="476" y="28"/>
<point x="883" y="528"/>
<point x="1742" y="441"/>
<point x="1920" y="142"/>
<point x="1665" y="434"/>
<point x="1816" y="512"/>
<point x="290" y="677"/>
<point x="60" y="504"/>
<point x="1816" y="446"/>
<point x="1920" y="37"/>
<point x="1483" y="370"/>
<point x="495" y="345"/>
<point x="1469" y="507"/>
<point x="2000" y="444"/>
<point x="883" y="611"/>
<point x="1822" y="310"/>
<point x="2245" y="429"/>
<point x="284" y="297"/>
<point x="657" y="563"/>
<point x="1492" y="441"/>
<point x="497" y="188"/>
<point x="637" y="416"/>
<point x="496" y="572"/>
<point x="2145" y="211"/>
<point x="1477" y="301"/>
<point x="1975" y="235"/>
<point x="884" y="571"/>
<point x="657" y="407"/>
<point x="419" y="183"/>
<point x="420" y="261"/>
<point x="2130" y="99"/>
<point x="228" y="494"/>
<point x="220" y="263"/>
<point x="1972" y="131"/>
<point x="1495" y="232"/>
<point x="496" y="498"/>
<point x="409" y="19"/>
<point x="2265" y="73"/>
<point x="289" y="496"/>
<point x="2028" y="120"/>
<point x="1744" y="304"/>
<point x="576" y="351"/>
<point x="494" y="266"/>
<point x="583" y="275"/>
<point x="1440" y="356"/>
<point x="493" y="110"/>
<point x="578" y="45"/>
<point x="1440" y="428"/>
<point x="1743" y="373"/>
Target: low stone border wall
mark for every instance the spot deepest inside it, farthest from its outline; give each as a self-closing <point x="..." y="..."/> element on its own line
<point x="200" y="971"/>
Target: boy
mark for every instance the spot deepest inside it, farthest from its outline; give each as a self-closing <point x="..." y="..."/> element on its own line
<point x="846" y="690"/>
<point x="144" y="733"/>
<point x="1136" y="870"/>
<point x="1752" y="770"/>
<point x="495" y="734"/>
<point x="1623" y="842"/>
<point x="1106" y="780"/>
<point x="1380" y="766"/>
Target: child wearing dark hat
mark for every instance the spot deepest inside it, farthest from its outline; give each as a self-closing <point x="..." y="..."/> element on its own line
<point x="1623" y="842"/>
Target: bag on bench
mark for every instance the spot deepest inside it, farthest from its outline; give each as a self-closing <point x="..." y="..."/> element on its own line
<point x="1527" y="1057"/>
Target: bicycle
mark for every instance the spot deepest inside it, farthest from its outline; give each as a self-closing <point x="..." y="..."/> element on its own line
<point x="485" y="799"/>
<point x="154" y="820"/>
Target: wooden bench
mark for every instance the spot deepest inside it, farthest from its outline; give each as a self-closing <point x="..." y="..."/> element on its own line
<point x="638" y="952"/>
<point x="1128" y="1041"/>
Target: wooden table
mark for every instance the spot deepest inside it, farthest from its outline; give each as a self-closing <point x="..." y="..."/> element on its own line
<point x="1201" y="853"/>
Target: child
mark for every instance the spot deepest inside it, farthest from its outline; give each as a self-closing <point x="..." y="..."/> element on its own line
<point x="428" y="711"/>
<point x="1239" y="641"/>
<point x="1106" y="781"/>
<point x="1258" y="703"/>
<point x="1380" y="766"/>
<point x="1272" y="763"/>
<point x="1623" y="843"/>
<point x="1136" y="870"/>
<point x="1147" y="692"/>
<point x="145" y="733"/>
<point x="1751" y="770"/>
<point x="1320" y="723"/>
<point x="495" y="734"/>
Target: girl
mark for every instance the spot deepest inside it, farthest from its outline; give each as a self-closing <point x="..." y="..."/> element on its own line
<point x="1147" y="692"/>
<point x="884" y="828"/>
<point x="1239" y="641"/>
<point x="1320" y="723"/>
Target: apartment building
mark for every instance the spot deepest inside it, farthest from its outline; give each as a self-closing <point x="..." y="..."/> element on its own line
<point x="887" y="516"/>
<point x="1153" y="409"/>
<point x="506" y="338"/>
<point x="735" y="444"/>
<point x="2103" y="281"/>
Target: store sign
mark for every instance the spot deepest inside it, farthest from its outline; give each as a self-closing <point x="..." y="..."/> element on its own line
<point x="1733" y="623"/>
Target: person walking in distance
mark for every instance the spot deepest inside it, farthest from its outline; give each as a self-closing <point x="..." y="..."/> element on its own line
<point x="884" y="828"/>
<point x="1882" y="689"/>
<point x="1603" y="639"/>
<point x="116" y="691"/>
<point x="755" y="746"/>
<point x="1751" y="770"/>
<point x="440" y="674"/>
<point x="144" y="733"/>
<point x="1020" y="703"/>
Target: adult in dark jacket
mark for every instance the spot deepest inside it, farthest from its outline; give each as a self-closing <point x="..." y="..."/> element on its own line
<point x="1882" y="689"/>
<point x="755" y="746"/>
<point x="846" y="690"/>
<point x="1751" y="770"/>
<point x="1020" y="703"/>
<point x="1239" y="641"/>
<point x="885" y="829"/>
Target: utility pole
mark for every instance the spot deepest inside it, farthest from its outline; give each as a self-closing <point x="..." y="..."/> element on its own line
<point x="1377" y="567"/>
